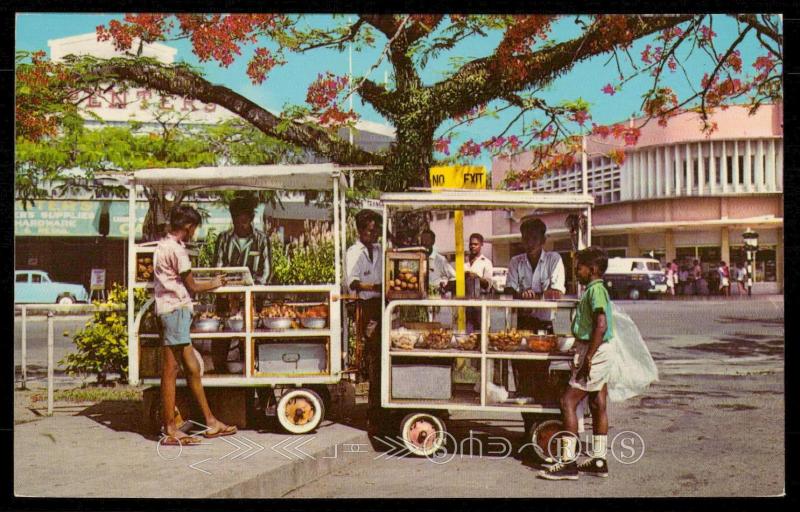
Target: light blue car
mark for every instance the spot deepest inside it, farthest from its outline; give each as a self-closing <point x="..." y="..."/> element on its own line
<point x="36" y="287"/>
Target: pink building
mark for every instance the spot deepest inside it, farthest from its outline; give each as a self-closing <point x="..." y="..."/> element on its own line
<point x="680" y="193"/>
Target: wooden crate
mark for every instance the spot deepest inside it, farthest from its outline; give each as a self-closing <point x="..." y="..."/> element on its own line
<point x="416" y="263"/>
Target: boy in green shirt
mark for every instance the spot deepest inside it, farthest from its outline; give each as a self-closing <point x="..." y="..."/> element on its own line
<point x="592" y="328"/>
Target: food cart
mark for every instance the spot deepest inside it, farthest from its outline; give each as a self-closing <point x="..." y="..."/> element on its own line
<point x="290" y="337"/>
<point x="418" y="357"/>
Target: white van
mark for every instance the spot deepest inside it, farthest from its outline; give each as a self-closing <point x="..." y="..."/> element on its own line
<point x="634" y="278"/>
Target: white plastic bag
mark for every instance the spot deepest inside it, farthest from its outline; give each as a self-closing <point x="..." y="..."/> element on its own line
<point x="632" y="366"/>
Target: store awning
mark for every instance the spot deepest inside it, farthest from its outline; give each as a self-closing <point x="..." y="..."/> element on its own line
<point x="271" y="177"/>
<point x="655" y="227"/>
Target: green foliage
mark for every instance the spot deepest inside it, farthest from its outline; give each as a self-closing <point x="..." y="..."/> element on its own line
<point x="205" y="256"/>
<point x="103" y="343"/>
<point x="304" y="260"/>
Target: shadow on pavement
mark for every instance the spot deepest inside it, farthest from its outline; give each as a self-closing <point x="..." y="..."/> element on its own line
<point x="119" y="415"/>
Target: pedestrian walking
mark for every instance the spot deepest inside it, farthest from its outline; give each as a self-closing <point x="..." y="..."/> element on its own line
<point x="670" y="279"/>
<point x="724" y="279"/>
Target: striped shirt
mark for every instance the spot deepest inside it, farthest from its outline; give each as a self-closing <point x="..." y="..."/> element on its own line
<point x="252" y="252"/>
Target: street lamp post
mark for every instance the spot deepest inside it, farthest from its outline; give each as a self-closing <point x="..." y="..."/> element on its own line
<point x="751" y="246"/>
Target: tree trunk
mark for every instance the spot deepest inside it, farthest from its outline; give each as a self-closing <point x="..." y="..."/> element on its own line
<point x="409" y="160"/>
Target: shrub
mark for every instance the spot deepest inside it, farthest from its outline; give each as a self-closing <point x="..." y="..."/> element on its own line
<point x="307" y="259"/>
<point x="103" y="343"/>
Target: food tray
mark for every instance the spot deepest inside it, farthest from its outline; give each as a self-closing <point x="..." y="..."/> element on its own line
<point x="467" y="341"/>
<point x="235" y="276"/>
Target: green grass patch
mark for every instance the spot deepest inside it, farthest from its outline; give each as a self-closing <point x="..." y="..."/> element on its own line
<point x="91" y="394"/>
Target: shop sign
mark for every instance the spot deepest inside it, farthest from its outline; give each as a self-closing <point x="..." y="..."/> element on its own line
<point x="98" y="279"/>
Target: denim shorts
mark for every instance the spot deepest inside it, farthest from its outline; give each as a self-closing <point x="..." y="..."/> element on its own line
<point x="176" y="326"/>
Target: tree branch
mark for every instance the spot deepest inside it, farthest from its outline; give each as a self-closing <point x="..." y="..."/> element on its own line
<point x="484" y="79"/>
<point x="182" y="82"/>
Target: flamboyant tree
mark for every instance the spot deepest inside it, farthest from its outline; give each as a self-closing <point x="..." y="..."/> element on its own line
<point x="532" y="52"/>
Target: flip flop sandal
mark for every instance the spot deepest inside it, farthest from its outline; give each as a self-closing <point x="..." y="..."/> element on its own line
<point x="179" y="441"/>
<point x="227" y="431"/>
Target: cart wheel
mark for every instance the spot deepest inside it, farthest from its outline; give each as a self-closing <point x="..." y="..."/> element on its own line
<point x="153" y="416"/>
<point x="300" y="411"/>
<point x="544" y="441"/>
<point x="423" y="433"/>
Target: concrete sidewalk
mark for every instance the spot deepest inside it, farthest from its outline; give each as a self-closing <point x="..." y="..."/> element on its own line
<point x="102" y="450"/>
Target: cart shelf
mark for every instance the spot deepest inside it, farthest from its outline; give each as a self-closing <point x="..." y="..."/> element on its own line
<point x="436" y="353"/>
<point x="210" y="335"/>
<point x="536" y="356"/>
<point x="292" y="333"/>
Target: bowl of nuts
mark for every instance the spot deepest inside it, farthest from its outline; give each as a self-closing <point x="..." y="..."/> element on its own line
<point x="507" y="340"/>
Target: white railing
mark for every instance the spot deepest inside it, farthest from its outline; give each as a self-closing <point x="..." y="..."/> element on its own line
<point x="50" y="310"/>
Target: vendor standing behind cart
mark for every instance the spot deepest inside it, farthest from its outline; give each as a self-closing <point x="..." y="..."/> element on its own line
<point x="477" y="266"/>
<point x="440" y="272"/>
<point x="240" y="246"/>
<point x="534" y="274"/>
<point x="364" y="275"/>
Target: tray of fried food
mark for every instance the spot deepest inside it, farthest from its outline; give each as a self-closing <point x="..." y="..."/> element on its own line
<point x="436" y="339"/>
<point x="542" y="342"/>
<point x="279" y="316"/>
<point x="507" y="340"/>
<point x="403" y="339"/>
<point x="466" y="341"/>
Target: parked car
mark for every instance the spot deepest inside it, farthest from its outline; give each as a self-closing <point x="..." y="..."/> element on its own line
<point x="36" y="287"/>
<point x="634" y="278"/>
<point x="499" y="278"/>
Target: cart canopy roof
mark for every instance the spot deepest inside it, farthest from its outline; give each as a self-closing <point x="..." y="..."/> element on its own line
<point x="270" y="177"/>
<point x="487" y="199"/>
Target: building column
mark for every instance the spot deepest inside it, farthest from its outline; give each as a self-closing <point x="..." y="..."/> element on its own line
<point x="748" y="168"/>
<point x="633" y="245"/>
<point x="669" y="244"/>
<point x="770" y="167"/>
<point x="701" y="169"/>
<point x="712" y="168"/>
<point x="689" y="170"/>
<point x="736" y="170"/>
<point x="677" y="167"/>
<point x="659" y="173"/>
<point x="760" y="166"/>
<point x="723" y="169"/>
<point x="725" y="253"/>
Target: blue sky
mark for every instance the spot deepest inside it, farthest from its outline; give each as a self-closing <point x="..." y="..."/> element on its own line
<point x="288" y="83"/>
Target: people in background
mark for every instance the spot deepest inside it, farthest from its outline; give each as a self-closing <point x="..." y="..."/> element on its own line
<point x="477" y="267"/>
<point x="741" y="278"/>
<point x="669" y="273"/>
<point x="724" y="278"/>
<point x="440" y="272"/>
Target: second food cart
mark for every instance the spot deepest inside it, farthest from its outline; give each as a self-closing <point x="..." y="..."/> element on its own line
<point x="418" y="357"/>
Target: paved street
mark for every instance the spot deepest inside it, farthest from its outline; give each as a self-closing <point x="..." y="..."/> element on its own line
<point x="37" y="342"/>
<point x="712" y="426"/>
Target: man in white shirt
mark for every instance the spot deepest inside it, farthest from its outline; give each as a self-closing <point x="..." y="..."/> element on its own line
<point x="477" y="264"/>
<point x="440" y="272"/>
<point x="363" y="275"/>
<point x="534" y="274"/>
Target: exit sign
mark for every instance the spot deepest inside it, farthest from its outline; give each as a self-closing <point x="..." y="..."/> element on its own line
<point x="458" y="177"/>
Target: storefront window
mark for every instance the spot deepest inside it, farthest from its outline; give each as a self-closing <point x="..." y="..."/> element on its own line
<point x="709" y="257"/>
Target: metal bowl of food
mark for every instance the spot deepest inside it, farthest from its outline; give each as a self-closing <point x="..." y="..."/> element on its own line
<point x="234" y="324"/>
<point x="313" y="323"/>
<point x="276" y="323"/>
<point x="541" y="342"/>
<point x="206" y="325"/>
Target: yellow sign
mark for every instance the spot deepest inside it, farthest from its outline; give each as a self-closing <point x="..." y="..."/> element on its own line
<point x="458" y="176"/>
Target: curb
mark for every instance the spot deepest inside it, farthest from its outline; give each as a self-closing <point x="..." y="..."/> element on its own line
<point x="279" y="481"/>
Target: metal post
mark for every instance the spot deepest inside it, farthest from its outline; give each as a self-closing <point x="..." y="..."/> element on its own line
<point x="24" y="347"/>
<point x="49" y="363"/>
<point x="133" y="340"/>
